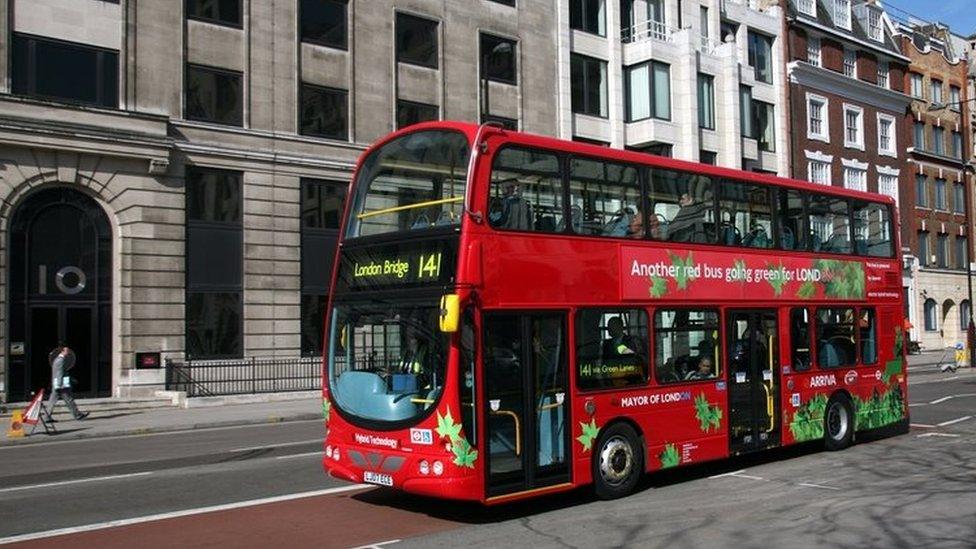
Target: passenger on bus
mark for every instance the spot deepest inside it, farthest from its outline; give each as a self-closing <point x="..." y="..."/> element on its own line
<point x="511" y="211"/>
<point x="704" y="370"/>
<point x="688" y="223"/>
<point x="636" y="227"/>
<point x="414" y="356"/>
<point x="619" y="343"/>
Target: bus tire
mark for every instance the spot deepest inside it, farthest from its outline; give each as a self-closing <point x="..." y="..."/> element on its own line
<point x="838" y="422"/>
<point x="618" y="461"/>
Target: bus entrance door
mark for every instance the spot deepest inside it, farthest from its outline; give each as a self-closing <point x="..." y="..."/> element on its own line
<point x="526" y="401"/>
<point x="753" y="351"/>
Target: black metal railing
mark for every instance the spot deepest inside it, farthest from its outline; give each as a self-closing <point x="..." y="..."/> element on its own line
<point x="242" y="376"/>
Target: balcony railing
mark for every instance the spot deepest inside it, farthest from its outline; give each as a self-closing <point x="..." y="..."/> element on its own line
<point x="243" y="375"/>
<point x="649" y="30"/>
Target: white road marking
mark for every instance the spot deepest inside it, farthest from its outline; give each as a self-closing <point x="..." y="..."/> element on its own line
<point x="954" y="421"/>
<point x="77" y="481"/>
<point x="177" y="514"/>
<point x="950" y="435"/>
<point x="750" y="477"/>
<point x="922" y="425"/>
<point x="812" y="485"/>
<point x="918" y="404"/>
<point x="273" y="446"/>
<point x="378" y="545"/>
<point x="319" y="453"/>
<point x="728" y="474"/>
<point x="950" y="397"/>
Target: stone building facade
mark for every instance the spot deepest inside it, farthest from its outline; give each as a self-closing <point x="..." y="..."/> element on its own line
<point x="937" y="242"/>
<point x="171" y="172"/>
<point x="699" y="80"/>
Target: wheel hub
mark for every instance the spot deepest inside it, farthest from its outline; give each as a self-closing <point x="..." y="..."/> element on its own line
<point x="616" y="460"/>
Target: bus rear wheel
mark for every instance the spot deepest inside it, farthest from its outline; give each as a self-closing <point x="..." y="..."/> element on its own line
<point x="838" y="423"/>
<point x="617" y="462"/>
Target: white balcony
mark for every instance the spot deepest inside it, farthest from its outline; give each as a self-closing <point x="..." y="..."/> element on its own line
<point x="649" y="30"/>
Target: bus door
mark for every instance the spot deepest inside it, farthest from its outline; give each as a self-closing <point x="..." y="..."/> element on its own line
<point x="753" y="355"/>
<point x="526" y="401"/>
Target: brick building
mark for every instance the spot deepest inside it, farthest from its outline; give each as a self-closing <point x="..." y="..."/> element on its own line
<point x="937" y="196"/>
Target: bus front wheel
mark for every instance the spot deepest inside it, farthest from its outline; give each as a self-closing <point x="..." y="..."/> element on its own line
<point x="617" y="462"/>
<point x="838" y="423"/>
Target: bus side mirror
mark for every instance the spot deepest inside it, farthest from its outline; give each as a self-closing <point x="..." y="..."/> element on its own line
<point x="450" y="312"/>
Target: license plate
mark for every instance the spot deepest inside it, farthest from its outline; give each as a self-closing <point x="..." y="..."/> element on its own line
<point x="377" y="478"/>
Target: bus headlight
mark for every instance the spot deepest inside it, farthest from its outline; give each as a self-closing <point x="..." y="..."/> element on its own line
<point x="424" y="467"/>
<point x="335" y="453"/>
<point x="438" y="468"/>
<point x="328" y="451"/>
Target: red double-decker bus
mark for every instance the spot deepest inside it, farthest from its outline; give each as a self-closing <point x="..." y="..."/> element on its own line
<point x="514" y="315"/>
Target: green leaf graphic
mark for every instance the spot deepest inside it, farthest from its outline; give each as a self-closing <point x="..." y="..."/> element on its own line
<point x="709" y="417"/>
<point x="464" y="455"/>
<point x="807" y="423"/>
<point x="778" y="280"/>
<point x="880" y="409"/>
<point x="326" y="409"/>
<point x="682" y="276"/>
<point x="659" y="286"/>
<point x="807" y="290"/>
<point x="446" y="426"/>
<point x="590" y="431"/>
<point x="669" y="457"/>
<point x="740" y="271"/>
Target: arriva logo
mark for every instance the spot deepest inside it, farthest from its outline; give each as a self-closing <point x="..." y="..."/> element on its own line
<point x="823" y="381"/>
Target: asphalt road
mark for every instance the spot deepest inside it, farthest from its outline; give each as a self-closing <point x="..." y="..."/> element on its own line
<point x="915" y="490"/>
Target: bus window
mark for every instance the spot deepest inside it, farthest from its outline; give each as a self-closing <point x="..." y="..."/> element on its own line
<point x="793" y="229"/>
<point x="746" y="215"/>
<point x="686" y="345"/>
<point x="526" y="191"/>
<point x="611" y="348"/>
<point x="872" y="229"/>
<point x="868" y="337"/>
<point x="835" y="338"/>
<point x="682" y="207"/>
<point x="604" y="199"/>
<point x="800" y="338"/>
<point x="829" y="224"/>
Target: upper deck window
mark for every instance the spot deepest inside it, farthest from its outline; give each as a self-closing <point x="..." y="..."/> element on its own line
<point x="604" y="199"/>
<point x="416" y="181"/>
<point x="526" y="192"/>
<point x="681" y="207"/>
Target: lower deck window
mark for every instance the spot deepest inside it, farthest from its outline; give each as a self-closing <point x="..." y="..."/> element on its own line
<point x="686" y="345"/>
<point x="611" y="348"/>
<point x="836" y="345"/>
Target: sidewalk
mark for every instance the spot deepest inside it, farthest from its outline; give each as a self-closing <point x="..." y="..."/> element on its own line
<point x="122" y="422"/>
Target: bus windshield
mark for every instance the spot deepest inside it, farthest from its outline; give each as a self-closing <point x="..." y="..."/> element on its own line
<point x="386" y="362"/>
<point x="416" y="181"/>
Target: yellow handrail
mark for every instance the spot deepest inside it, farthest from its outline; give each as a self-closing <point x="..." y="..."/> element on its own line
<point x="518" y="428"/>
<point x="410" y="207"/>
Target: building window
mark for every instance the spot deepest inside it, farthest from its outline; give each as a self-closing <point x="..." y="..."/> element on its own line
<point x="940" y="194"/>
<point x="938" y="140"/>
<point x="954" y="98"/>
<point x="589" y="16"/>
<point x="410" y="113"/>
<point x="916" y="85"/>
<point x="936" y="91"/>
<point x="498" y="59"/>
<point x="706" y="101"/>
<point x="886" y="135"/>
<point x="507" y="123"/>
<point x="923" y="248"/>
<point x="817" y="120"/>
<point x="807" y="7"/>
<point x="919" y="135"/>
<point x="957" y="145"/>
<point x="224" y="12"/>
<point x="745" y="112"/>
<point x="853" y="127"/>
<point x="850" y="63"/>
<point x="819" y="172"/>
<point x="708" y="157"/>
<point x="931" y="312"/>
<point x="942" y="251"/>
<point x="648" y="91"/>
<point x="321" y="212"/>
<point x="958" y="198"/>
<point x="765" y="125"/>
<point x="921" y="191"/>
<point x="962" y="253"/>
<point x="964" y="312"/>
<point x="856" y="179"/>
<point x="324" y="112"/>
<point x="589" y="85"/>
<point x="506" y="2"/>
<point x="842" y="13"/>
<point x="874" y="25"/>
<point x="324" y="22"/>
<point x="214" y="264"/>
<point x="761" y="56"/>
<point x="64" y="71"/>
<point x="888" y="185"/>
<point x="813" y="50"/>
<point x="214" y="95"/>
<point x="657" y="149"/>
<point x="883" y="72"/>
<point x="416" y="40"/>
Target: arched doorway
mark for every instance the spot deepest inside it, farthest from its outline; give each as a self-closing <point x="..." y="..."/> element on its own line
<point x="60" y="290"/>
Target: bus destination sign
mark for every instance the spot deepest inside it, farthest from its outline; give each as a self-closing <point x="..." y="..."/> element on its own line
<point x="660" y="273"/>
<point x="402" y="265"/>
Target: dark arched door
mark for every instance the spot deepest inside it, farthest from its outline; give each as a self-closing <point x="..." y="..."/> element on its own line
<point x="60" y="290"/>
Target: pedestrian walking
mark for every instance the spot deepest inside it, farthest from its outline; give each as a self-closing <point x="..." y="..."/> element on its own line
<point x="62" y="359"/>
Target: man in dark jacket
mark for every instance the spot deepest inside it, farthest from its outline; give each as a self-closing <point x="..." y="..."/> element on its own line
<point x="62" y="359"/>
